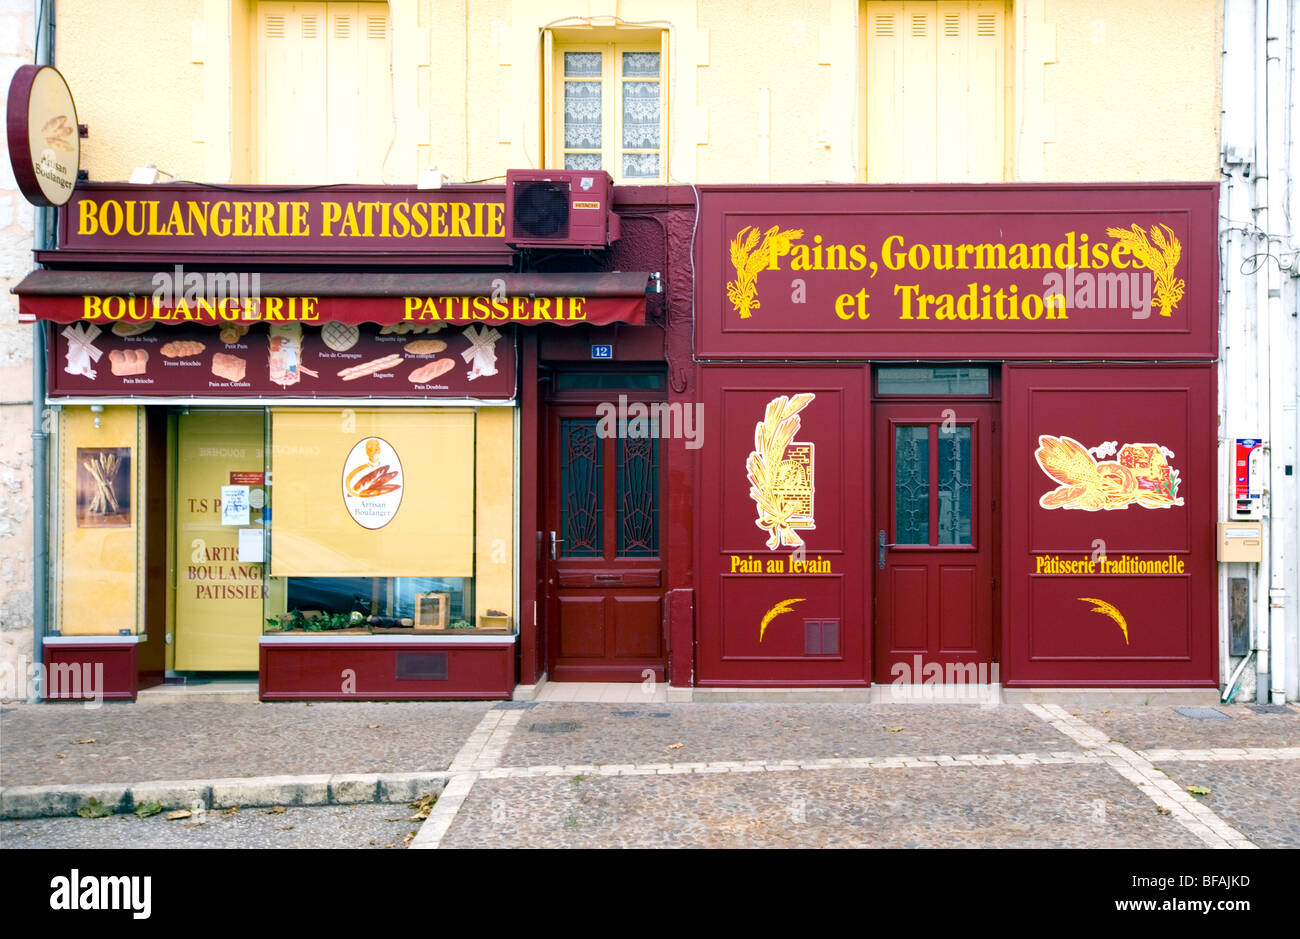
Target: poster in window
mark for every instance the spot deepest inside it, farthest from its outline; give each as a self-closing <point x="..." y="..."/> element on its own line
<point x="103" y="487"/>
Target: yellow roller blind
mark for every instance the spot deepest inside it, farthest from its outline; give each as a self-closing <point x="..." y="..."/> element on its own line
<point x="431" y="532"/>
<point x="936" y="104"/>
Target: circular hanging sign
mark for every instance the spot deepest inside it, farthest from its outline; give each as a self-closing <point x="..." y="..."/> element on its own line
<point x="44" y="146"/>
<point x="372" y="483"/>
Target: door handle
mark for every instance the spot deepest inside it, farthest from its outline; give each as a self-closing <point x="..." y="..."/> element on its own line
<point x="555" y="543"/>
<point x="880" y="549"/>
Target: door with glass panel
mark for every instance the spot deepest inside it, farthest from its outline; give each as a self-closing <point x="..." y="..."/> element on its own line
<point x="934" y="540"/>
<point x="602" y="541"/>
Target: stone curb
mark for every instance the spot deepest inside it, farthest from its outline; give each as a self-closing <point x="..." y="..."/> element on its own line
<point x="252" y="791"/>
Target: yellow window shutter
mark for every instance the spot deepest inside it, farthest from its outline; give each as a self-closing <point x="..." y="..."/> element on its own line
<point x="920" y="92"/>
<point x="986" y="96"/>
<point x="360" y="124"/>
<point x="290" y="104"/>
<point x="884" y="78"/>
<point x="935" y="93"/>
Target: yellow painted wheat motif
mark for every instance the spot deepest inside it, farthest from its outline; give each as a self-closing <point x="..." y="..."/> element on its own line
<point x="749" y="257"/>
<point x="1107" y="609"/>
<point x="1159" y="255"/>
<point x="771" y="436"/>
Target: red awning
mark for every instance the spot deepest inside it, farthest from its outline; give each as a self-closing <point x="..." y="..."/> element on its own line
<point x="193" y="297"/>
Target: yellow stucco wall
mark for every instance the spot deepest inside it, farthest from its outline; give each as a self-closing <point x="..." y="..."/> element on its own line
<point x="1102" y="89"/>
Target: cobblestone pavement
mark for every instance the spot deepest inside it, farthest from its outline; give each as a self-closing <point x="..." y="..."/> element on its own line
<point x="1260" y="799"/>
<point x="1004" y="807"/>
<point x="701" y="774"/>
<point x="353" y="826"/>
<point x="1148" y="727"/>
<point x="712" y="732"/>
<point x="133" y="742"/>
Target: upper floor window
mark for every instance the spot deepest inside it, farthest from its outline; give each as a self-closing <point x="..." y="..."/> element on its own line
<point x="321" y="92"/>
<point x="936" y="96"/>
<point x="607" y="109"/>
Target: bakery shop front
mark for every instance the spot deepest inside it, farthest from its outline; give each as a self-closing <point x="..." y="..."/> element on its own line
<point x="963" y="435"/>
<point x="285" y="435"/>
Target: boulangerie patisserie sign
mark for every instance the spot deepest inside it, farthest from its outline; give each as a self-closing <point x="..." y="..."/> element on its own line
<point x="290" y="360"/>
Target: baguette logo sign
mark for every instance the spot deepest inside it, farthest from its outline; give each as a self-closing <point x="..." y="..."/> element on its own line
<point x="372" y="483"/>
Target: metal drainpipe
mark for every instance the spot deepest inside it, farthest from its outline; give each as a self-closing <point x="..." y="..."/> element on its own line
<point x="1275" y="122"/>
<point x="1262" y="172"/>
<point x="40" y="477"/>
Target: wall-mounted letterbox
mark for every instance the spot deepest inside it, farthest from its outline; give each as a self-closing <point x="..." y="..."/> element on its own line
<point x="1241" y="541"/>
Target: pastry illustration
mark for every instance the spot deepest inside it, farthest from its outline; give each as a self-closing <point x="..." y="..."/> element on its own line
<point x="285" y="359"/>
<point x="128" y="361"/>
<point x="369" y="368"/>
<point x="425" y="346"/>
<point x="182" y="349"/>
<point x="231" y="333"/>
<point x="131" y="329"/>
<point x="435" y="369"/>
<point x="82" y="352"/>
<point x="339" y="336"/>
<point x="229" y="367"/>
<point x="408" y="329"/>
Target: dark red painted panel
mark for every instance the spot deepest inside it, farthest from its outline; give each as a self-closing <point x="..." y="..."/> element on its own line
<point x="639" y="628"/>
<point x="1066" y="626"/>
<point x="75" y="671"/>
<point x="843" y="271"/>
<point x="743" y="581"/>
<point x="368" y="671"/>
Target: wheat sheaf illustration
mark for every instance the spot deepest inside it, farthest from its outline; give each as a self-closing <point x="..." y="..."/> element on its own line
<point x="771" y="436"/>
<point x="1159" y="255"/>
<point x="749" y="256"/>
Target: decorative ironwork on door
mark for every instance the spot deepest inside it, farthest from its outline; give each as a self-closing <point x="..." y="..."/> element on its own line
<point x="638" y="497"/>
<point x="581" y="495"/>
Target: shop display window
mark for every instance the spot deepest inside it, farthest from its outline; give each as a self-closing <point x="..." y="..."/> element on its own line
<point x="96" y="514"/>
<point x="389" y="521"/>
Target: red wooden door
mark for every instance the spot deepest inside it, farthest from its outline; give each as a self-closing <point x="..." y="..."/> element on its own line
<point x="934" y="540"/>
<point x="604" y="551"/>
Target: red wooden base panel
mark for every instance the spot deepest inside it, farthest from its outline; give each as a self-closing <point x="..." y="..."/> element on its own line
<point x="389" y="671"/>
<point x="89" y="671"/>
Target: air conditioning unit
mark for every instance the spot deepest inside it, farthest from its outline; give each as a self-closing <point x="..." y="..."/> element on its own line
<point x="560" y="209"/>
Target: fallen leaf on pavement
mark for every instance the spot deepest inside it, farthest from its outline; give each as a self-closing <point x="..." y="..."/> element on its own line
<point x="1198" y="790"/>
<point x="178" y="814"/>
<point x="95" y="809"/>
<point x="893" y="730"/>
<point x="284" y="828"/>
<point x="1162" y="810"/>
<point x="372" y="726"/>
<point x="194" y="824"/>
<point x="233" y="810"/>
<point x="675" y="746"/>
<point x="274" y="810"/>
<point x="406" y="842"/>
<point x="62" y="756"/>
<point x="422" y="808"/>
<point x="145" y="809"/>
<point x="85" y="740"/>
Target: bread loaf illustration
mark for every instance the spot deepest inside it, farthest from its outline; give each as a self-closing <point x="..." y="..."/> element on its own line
<point x="231" y="333"/>
<point x="128" y="361"/>
<point x="435" y="369"/>
<point x="425" y="346"/>
<point x="229" y="367"/>
<point x="125" y="328"/>
<point x="181" y="349"/>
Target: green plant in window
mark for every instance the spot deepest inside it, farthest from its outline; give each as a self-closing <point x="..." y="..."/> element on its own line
<point x="460" y="624"/>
